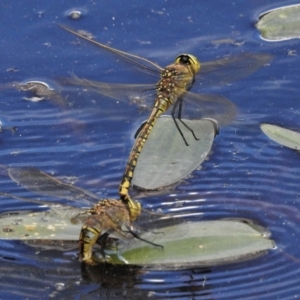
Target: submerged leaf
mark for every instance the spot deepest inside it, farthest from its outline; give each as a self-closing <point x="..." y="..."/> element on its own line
<point x="282" y="136"/>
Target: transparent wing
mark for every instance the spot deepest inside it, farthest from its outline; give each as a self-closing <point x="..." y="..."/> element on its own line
<point x="149" y="220"/>
<point x="58" y="216"/>
<point x="150" y="225"/>
<point x="213" y="73"/>
<point x="139" y="94"/>
<point x="198" y="106"/>
<point x="220" y="71"/>
<point x="231" y="68"/>
<point x="41" y="183"/>
<point x="140" y="62"/>
<point x="115" y="222"/>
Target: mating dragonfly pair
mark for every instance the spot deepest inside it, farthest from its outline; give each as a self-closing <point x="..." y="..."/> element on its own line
<point x="110" y="216"/>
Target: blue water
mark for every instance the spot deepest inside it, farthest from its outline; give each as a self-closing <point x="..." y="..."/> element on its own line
<point x="86" y="138"/>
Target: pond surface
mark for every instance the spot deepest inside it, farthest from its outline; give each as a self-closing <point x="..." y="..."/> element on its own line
<point x="85" y="138"/>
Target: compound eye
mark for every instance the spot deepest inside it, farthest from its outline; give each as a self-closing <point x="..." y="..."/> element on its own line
<point x="183" y="59"/>
<point x="188" y="60"/>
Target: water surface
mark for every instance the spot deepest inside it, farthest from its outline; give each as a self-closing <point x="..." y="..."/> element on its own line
<point x="86" y="138"/>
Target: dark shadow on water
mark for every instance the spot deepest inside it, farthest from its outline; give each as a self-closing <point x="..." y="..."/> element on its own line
<point x="51" y="276"/>
<point x="127" y="282"/>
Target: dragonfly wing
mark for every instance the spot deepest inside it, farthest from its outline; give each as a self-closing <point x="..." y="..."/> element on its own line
<point x="76" y="215"/>
<point x="135" y="60"/>
<point x="111" y="222"/>
<point x="41" y="183"/>
<point x="139" y="94"/>
<point x="149" y="220"/>
<point x="212" y="106"/>
<point x="231" y="68"/>
<point x="150" y="226"/>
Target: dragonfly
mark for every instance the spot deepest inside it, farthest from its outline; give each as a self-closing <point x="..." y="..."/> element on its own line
<point x="172" y="89"/>
<point x="105" y="223"/>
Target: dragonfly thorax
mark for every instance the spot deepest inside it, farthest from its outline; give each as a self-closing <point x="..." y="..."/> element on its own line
<point x="175" y="80"/>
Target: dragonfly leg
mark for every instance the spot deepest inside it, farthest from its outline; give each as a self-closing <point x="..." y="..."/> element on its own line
<point x="190" y="129"/>
<point x="177" y="126"/>
<point x="179" y="118"/>
<point x="108" y="246"/>
<point x="137" y="236"/>
<point x="178" y="104"/>
<point x="87" y="239"/>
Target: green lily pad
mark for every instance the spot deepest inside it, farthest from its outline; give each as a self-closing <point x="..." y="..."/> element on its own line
<point x="51" y="224"/>
<point x="282" y="136"/>
<point x="280" y="24"/>
<point x="204" y="243"/>
<point x="166" y="159"/>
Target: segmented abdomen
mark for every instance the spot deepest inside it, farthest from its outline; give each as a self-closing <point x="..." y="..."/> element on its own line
<point x="161" y="105"/>
<point x="172" y="85"/>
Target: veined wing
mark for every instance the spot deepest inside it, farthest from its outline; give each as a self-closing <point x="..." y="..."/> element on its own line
<point x="60" y="221"/>
<point x="63" y="222"/>
<point x="117" y="224"/>
<point x="41" y="183"/>
<point x="140" y="62"/>
<point x="62" y="218"/>
<point x="201" y="105"/>
<point x="53" y="223"/>
<point x="211" y="106"/>
<point x="148" y="220"/>
<point x="229" y="69"/>
<point x="212" y="73"/>
<point x="150" y="225"/>
<point x="140" y="94"/>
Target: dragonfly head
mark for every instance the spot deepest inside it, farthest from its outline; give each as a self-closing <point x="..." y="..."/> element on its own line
<point x="190" y="60"/>
<point x="134" y="208"/>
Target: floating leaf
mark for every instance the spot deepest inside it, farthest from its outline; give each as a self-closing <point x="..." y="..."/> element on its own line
<point x="280" y="24"/>
<point x="285" y="137"/>
<point x="204" y="243"/>
<point x="166" y="159"/>
<point x="50" y="224"/>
